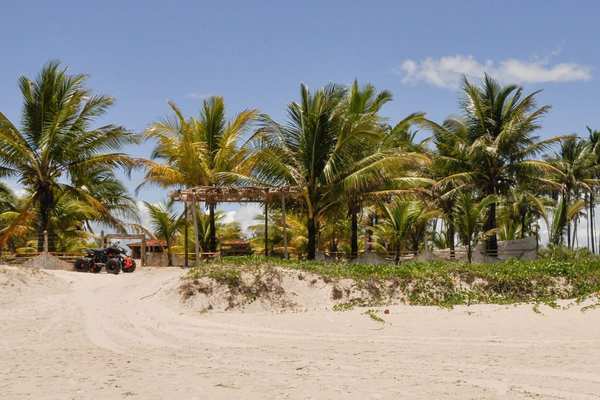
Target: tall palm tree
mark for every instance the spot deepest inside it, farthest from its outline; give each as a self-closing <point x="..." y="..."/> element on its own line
<point x="315" y="151"/>
<point x="56" y="142"/>
<point x="165" y="224"/>
<point x="594" y="139"/>
<point x="360" y="109"/>
<point x="203" y="151"/>
<point x="449" y="160"/>
<point x="500" y="122"/>
<point x="575" y="174"/>
<point x="308" y="152"/>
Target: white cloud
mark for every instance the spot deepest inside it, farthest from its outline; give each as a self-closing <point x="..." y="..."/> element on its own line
<point x="447" y="72"/>
<point x="245" y="215"/>
<point x="197" y="96"/>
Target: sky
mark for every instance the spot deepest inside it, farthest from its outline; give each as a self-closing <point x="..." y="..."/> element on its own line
<point x="256" y="54"/>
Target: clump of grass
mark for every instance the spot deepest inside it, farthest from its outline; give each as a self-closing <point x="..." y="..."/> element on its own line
<point x="373" y="315"/>
<point x="343" y="306"/>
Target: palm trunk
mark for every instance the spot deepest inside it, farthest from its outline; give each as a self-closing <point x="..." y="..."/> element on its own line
<point x="592" y="222"/>
<point x="212" y="244"/>
<point x="169" y="254"/>
<point x="491" y="242"/>
<point x="196" y="233"/>
<point x="450" y="233"/>
<point x="397" y="254"/>
<point x="311" y="227"/>
<point x="469" y="252"/>
<point x="354" y="232"/>
<point x="46" y="200"/>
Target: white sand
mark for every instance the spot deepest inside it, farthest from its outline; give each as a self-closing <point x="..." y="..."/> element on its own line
<point x="68" y="335"/>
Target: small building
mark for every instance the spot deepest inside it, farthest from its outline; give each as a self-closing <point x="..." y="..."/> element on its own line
<point x="235" y="248"/>
<point x="156" y="251"/>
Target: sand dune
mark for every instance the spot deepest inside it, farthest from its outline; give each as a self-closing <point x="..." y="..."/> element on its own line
<point x="67" y="335"/>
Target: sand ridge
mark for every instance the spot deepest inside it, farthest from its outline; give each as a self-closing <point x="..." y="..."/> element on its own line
<point x="88" y="336"/>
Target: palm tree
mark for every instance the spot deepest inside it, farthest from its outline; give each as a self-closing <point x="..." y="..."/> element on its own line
<point x="594" y="139"/>
<point x="519" y="211"/>
<point x="422" y="215"/>
<point x="449" y="160"/>
<point x="56" y="143"/>
<point x="117" y="209"/>
<point x="399" y="216"/>
<point x="575" y="174"/>
<point x="315" y="152"/>
<point x="499" y="123"/>
<point x="166" y="224"/>
<point x="202" y="151"/>
<point x="308" y="152"/>
<point x="360" y="110"/>
<point x="469" y="219"/>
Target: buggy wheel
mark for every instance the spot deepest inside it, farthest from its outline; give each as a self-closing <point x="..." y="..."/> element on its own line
<point x="81" y="265"/>
<point x="113" y="266"/>
<point x="129" y="265"/>
<point x="95" y="268"/>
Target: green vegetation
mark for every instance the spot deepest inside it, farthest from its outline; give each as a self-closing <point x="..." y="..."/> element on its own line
<point x="557" y="276"/>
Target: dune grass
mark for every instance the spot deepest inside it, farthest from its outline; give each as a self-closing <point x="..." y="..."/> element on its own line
<point x="554" y="277"/>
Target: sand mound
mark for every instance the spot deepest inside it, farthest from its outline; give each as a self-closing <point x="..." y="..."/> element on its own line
<point x="48" y="261"/>
<point x="19" y="281"/>
<point x="277" y="289"/>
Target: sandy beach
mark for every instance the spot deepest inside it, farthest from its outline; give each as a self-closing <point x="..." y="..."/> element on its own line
<point x="67" y="335"/>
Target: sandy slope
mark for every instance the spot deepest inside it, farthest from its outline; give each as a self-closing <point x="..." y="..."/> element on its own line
<point x="67" y="335"/>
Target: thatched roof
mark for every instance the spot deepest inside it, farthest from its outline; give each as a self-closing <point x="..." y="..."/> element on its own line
<point x="247" y="194"/>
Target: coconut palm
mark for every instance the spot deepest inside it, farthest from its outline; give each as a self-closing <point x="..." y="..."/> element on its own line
<point x="165" y="224"/>
<point x="519" y="211"/>
<point x="398" y="216"/>
<point x="308" y="152"/>
<point x="56" y="142"/>
<point x="203" y="151"/>
<point x="499" y="123"/>
<point x="422" y="215"/>
<point x="469" y="217"/>
<point x="117" y="209"/>
<point x="575" y="175"/>
<point x="315" y="151"/>
<point x="594" y="139"/>
<point x="449" y="160"/>
<point x="360" y="110"/>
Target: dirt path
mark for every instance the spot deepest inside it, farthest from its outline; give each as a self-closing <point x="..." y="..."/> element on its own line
<point x="113" y="337"/>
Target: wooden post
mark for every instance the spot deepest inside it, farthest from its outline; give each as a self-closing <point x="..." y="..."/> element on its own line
<point x="266" y="227"/>
<point x="185" y="234"/>
<point x="195" y="222"/>
<point x="143" y="252"/>
<point x="285" y="244"/>
<point x="45" y="242"/>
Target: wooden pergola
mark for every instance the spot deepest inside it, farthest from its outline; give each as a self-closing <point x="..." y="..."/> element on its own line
<point x="229" y="194"/>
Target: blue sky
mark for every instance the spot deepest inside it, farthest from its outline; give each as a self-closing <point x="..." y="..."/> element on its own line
<point x="255" y="54"/>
